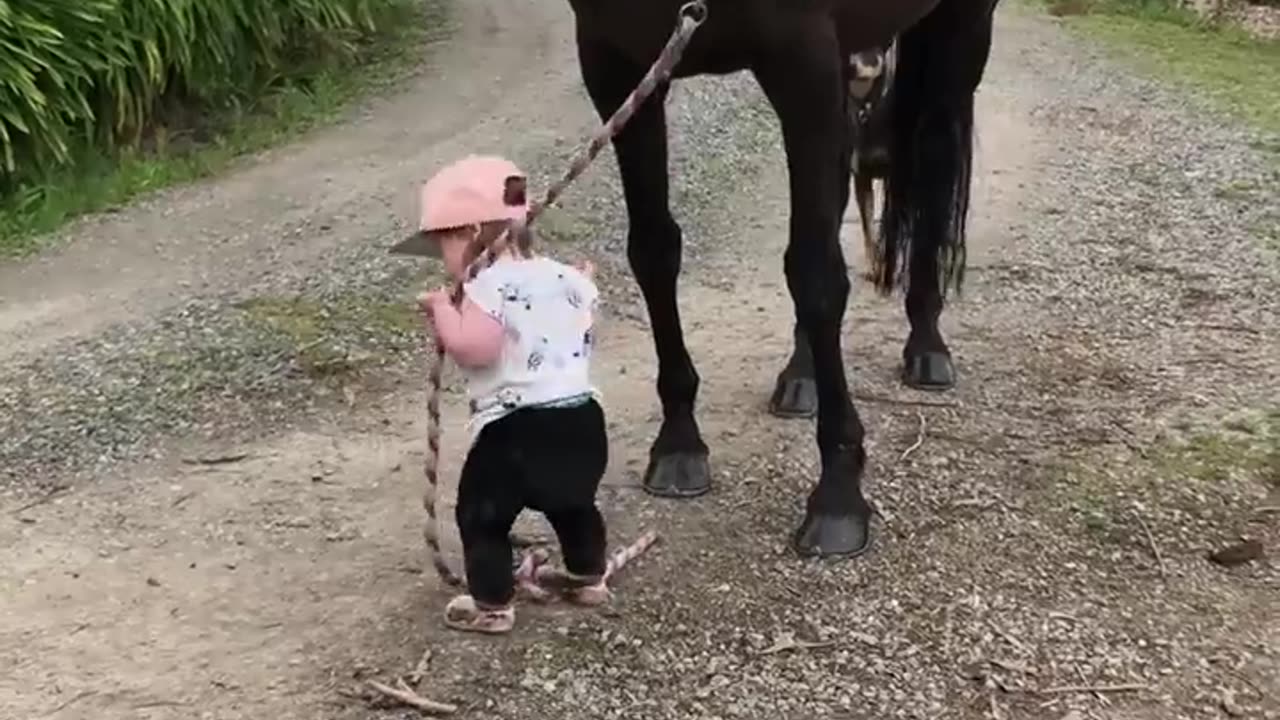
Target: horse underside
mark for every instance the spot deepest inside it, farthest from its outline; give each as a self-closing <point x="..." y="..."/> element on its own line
<point x="801" y="53"/>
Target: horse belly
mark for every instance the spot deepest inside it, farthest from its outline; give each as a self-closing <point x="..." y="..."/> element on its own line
<point x="863" y="24"/>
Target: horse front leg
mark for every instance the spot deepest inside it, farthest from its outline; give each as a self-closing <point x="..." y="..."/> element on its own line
<point x="678" y="459"/>
<point x="804" y="81"/>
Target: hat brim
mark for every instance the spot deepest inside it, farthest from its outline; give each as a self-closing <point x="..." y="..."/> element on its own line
<point x="418" y="244"/>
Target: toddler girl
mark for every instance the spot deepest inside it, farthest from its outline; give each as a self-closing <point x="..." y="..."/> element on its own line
<point x="522" y="336"/>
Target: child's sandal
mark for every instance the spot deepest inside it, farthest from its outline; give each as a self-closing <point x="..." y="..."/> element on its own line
<point x="462" y="613"/>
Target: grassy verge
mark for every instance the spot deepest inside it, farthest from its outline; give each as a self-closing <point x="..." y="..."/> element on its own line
<point x="1233" y="70"/>
<point x="1212" y="481"/>
<point x="191" y="150"/>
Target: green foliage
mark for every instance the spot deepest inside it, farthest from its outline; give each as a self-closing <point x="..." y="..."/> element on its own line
<point x="1208" y="56"/>
<point x="103" y="72"/>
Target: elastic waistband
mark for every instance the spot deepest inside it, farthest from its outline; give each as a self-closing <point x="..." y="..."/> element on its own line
<point x="565" y="402"/>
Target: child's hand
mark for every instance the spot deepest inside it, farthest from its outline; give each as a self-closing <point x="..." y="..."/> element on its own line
<point x="586" y="267"/>
<point x="430" y="303"/>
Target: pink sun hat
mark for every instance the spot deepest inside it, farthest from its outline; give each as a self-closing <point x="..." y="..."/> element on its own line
<point x="476" y="189"/>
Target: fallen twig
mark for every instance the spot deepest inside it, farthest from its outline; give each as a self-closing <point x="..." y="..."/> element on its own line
<point x="1009" y="638"/>
<point x="216" y="460"/>
<point x="1151" y="542"/>
<point x="47" y="497"/>
<point x="919" y="438"/>
<point x="1011" y="666"/>
<point x="866" y="397"/>
<point x="1227" y="328"/>
<point x="69" y="702"/>
<point x="1068" y="689"/>
<point x="1102" y="699"/>
<point x="420" y="670"/>
<point x="405" y="695"/>
<point x="787" y="642"/>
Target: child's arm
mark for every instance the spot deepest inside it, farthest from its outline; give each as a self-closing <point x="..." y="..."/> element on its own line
<point x="471" y="336"/>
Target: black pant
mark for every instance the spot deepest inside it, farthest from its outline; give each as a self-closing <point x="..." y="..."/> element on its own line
<point x="546" y="459"/>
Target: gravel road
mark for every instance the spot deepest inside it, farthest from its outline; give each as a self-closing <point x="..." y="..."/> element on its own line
<point x="211" y="423"/>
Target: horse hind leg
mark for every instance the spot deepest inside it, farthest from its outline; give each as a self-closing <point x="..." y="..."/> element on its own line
<point x="678" y="459"/>
<point x="939" y="65"/>
<point x="795" y="393"/>
<point x="864" y="195"/>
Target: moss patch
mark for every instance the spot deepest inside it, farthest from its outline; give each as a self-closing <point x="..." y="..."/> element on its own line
<point x="1209" y="479"/>
<point x="329" y="339"/>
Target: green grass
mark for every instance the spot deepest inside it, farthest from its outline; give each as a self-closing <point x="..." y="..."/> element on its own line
<point x="190" y="149"/>
<point x="1236" y="72"/>
<point x="1206" y="476"/>
<point x="333" y="339"/>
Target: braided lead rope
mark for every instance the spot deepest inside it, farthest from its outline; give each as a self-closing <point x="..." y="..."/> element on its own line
<point x="624" y="555"/>
<point x="692" y="14"/>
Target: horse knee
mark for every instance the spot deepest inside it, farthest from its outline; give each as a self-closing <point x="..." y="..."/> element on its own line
<point x="654" y="248"/>
<point x="820" y="289"/>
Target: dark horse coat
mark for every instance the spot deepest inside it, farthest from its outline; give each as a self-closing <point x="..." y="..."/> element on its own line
<point x="799" y="51"/>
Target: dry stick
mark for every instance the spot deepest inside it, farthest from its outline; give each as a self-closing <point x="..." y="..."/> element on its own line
<point x="788" y="643"/>
<point x="420" y="670"/>
<point x="867" y="397"/>
<point x="692" y="14"/>
<point x="1102" y="699"/>
<point x="1155" y="549"/>
<point x="406" y="696"/>
<point x="1068" y="689"/>
<point x="919" y="439"/>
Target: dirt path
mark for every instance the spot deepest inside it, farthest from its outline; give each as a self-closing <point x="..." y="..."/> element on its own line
<point x="1117" y="306"/>
<point x="297" y="203"/>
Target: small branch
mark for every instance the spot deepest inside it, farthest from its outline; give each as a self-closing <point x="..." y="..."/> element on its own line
<point x="866" y="397"/>
<point x="68" y="703"/>
<point x="47" y="497"/>
<point x="406" y="696"/>
<point x="1068" y="689"/>
<point x="217" y="459"/>
<point x="788" y="642"/>
<point x="1009" y="638"/>
<point x="420" y="670"/>
<point x="919" y="438"/>
<point x="1227" y="328"/>
<point x="1155" y="549"/>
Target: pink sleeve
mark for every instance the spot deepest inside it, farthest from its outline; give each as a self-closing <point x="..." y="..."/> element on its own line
<point x="478" y="342"/>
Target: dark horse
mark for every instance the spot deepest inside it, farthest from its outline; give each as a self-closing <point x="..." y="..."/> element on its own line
<point x="799" y="51"/>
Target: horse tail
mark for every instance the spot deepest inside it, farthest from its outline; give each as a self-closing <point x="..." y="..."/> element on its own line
<point x="939" y="64"/>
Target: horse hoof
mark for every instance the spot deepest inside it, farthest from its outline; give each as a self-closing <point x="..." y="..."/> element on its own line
<point x="833" y="536"/>
<point x="678" y="475"/>
<point x="929" y="371"/>
<point x="794" y="397"/>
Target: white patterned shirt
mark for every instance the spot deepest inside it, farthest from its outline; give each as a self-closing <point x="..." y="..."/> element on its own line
<point x="547" y="312"/>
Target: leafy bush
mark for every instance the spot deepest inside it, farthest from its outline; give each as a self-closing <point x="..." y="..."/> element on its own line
<point x="103" y="71"/>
